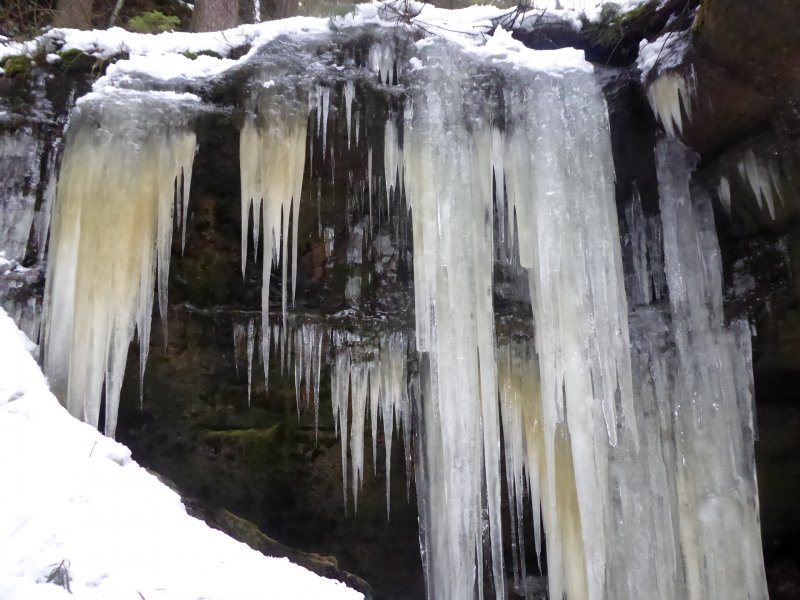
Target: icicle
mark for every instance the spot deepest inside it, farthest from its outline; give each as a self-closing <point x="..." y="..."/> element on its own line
<point x="239" y="333"/>
<point x="761" y="179"/>
<point x="724" y="194"/>
<point x="272" y="155"/>
<point x="448" y="177"/>
<point x="329" y="241"/>
<point x="392" y="160"/>
<point x="569" y="243"/>
<point x="265" y="339"/>
<point x="369" y="180"/>
<point x="374" y="401"/>
<point x="317" y="367"/>
<point x="112" y="228"/>
<point x="323" y="106"/>
<point x="340" y="387"/>
<point x="498" y="143"/>
<point x="250" y="347"/>
<point x="382" y="59"/>
<point x="667" y="95"/>
<point x="349" y="93"/>
<point x="359" y="380"/>
<point x="641" y="288"/>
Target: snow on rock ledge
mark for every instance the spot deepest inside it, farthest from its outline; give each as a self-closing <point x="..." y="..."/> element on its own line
<point x="70" y="495"/>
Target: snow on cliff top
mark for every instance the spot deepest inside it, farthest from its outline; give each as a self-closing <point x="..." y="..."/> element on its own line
<point x="70" y="496"/>
<point x="162" y="55"/>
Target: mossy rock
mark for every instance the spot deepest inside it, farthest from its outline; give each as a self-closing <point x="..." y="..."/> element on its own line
<point x="17" y="66"/>
<point x="194" y="55"/>
<point x="78" y="61"/>
<point x="255" y="448"/>
<point x="614" y="24"/>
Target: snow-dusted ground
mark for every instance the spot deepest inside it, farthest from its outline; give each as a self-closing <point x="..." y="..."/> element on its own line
<point x="70" y="496"/>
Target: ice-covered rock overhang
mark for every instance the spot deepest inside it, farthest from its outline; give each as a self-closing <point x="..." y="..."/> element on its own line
<point x="473" y="182"/>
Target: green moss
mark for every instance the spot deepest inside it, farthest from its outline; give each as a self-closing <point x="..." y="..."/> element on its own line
<point x="614" y="24"/>
<point x="153" y="21"/>
<point x="255" y="448"/>
<point x="77" y="61"/>
<point x="194" y="55"/>
<point x="17" y="65"/>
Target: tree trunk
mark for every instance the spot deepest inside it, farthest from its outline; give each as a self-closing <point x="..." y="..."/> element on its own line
<point x="76" y="14"/>
<point x="215" y="15"/>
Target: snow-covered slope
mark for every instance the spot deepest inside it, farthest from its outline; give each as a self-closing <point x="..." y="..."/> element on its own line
<point x="71" y="497"/>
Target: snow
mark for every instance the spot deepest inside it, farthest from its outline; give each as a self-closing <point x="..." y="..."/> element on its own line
<point x="162" y="55"/>
<point x="75" y="497"/>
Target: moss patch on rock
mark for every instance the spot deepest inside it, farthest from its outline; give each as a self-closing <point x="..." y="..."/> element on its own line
<point x="17" y="66"/>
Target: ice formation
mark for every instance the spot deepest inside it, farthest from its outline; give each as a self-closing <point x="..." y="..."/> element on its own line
<point x="272" y="161"/>
<point x="724" y="194"/>
<point x="670" y="94"/>
<point x="708" y="385"/>
<point x="369" y="376"/>
<point x="763" y="180"/>
<point x="126" y="171"/>
<point x="19" y="174"/>
<point x="600" y="418"/>
<point x="382" y="60"/>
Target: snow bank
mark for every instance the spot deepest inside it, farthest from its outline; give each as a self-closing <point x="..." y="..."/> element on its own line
<point x="74" y="497"/>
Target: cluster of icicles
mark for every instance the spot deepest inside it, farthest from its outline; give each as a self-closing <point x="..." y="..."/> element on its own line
<point x="633" y="447"/>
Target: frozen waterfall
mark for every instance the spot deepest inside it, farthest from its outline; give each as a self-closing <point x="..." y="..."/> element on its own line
<point x="621" y="424"/>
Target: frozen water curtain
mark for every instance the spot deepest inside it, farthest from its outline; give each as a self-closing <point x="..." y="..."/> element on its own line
<point x="620" y="424"/>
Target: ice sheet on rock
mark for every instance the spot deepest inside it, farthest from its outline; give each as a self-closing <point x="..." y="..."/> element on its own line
<point x="719" y="531"/>
<point x="19" y="178"/>
<point x="115" y="193"/>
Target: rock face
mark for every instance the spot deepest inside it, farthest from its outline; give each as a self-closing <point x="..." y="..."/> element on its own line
<point x="207" y="424"/>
